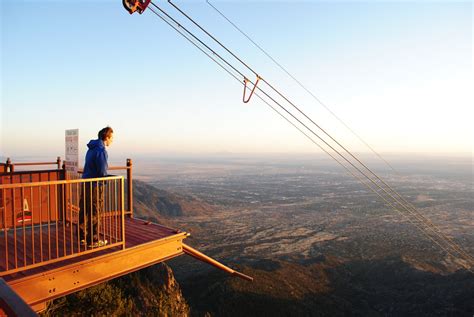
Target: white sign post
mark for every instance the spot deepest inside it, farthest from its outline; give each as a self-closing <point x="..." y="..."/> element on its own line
<point x="72" y="150"/>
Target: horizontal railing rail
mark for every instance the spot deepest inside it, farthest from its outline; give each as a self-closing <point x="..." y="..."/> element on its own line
<point x="116" y="168"/>
<point x="9" y="166"/>
<point x="49" y="221"/>
<point x="32" y="176"/>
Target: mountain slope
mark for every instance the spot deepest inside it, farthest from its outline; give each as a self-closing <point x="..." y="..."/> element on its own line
<point x="388" y="287"/>
<point x="152" y="203"/>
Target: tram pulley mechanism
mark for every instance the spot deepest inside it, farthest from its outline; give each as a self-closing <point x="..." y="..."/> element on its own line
<point x="135" y="5"/>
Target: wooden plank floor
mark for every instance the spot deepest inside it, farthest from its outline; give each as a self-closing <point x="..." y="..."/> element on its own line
<point x="66" y="242"/>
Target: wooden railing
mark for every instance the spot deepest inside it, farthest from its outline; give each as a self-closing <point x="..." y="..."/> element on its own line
<point x="129" y="185"/>
<point x="44" y="222"/>
<point x="9" y="167"/>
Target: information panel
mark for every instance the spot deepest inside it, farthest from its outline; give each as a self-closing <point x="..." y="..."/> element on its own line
<point x="72" y="150"/>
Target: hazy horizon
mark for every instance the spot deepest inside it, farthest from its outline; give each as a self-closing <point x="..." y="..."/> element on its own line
<point x="115" y="157"/>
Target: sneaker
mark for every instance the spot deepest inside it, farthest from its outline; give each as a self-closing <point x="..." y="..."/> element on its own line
<point x="98" y="244"/>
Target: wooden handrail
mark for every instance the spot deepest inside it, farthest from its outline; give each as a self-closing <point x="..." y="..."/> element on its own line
<point x="69" y="181"/>
<point x="34" y="163"/>
<point x="11" y="166"/>
<point x="114" y="168"/>
<point x="110" y="168"/>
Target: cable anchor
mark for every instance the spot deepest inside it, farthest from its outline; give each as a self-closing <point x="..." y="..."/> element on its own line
<point x="135" y="5"/>
<point x="246" y="80"/>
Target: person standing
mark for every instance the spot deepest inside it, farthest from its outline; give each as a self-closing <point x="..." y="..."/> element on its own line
<point x="92" y="200"/>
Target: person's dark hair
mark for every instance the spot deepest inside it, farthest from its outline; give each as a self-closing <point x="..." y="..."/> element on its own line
<point x="105" y="133"/>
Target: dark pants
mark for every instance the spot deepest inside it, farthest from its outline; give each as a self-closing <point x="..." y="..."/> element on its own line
<point x="92" y="206"/>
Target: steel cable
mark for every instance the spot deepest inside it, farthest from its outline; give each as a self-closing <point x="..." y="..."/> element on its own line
<point x="370" y="179"/>
<point x="404" y="204"/>
<point x="302" y="86"/>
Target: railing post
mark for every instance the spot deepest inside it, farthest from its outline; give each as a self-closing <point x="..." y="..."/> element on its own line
<point x="130" y="187"/>
<point x="123" y="211"/>
<point x="10" y="168"/>
<point x="63" y="172"/>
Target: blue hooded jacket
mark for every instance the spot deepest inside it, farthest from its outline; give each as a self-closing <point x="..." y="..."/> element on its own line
<point x="96" y="160"/>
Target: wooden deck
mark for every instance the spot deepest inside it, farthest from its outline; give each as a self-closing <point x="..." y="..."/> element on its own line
<point x="146" y="244"/>
<point x="41" y="255"/>
<point x="29" y="246"/>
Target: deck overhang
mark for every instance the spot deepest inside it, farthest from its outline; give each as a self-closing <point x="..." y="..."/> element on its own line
<point x="147" y="244"/>
<point x="42" y="287"/>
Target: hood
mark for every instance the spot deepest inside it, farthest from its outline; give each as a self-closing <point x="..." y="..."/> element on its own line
<point x="96" y="144"/>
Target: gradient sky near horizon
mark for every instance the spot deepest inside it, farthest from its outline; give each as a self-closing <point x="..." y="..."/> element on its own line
<point x="400" y="74"/>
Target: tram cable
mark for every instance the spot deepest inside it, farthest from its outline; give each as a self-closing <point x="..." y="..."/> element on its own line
<point x="399" y="199"/>
<point x="303" y="87"/>
<point x="436" y="232"/>
<point x="420" y="221"/>
<point x="322" y="104"/>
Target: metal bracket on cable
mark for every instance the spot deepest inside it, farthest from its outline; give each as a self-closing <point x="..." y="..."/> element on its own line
<point x="135" y="5"/>
<point x="245" y="88"/>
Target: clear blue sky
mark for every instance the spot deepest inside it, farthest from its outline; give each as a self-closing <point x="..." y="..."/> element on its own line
<point x="399" y="73"/>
